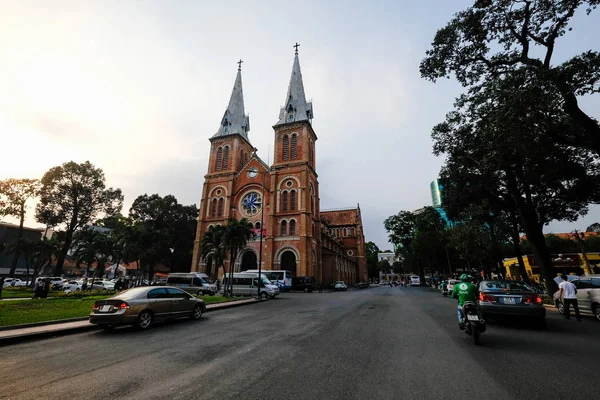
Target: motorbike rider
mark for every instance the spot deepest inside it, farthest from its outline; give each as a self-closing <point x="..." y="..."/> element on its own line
<point x="464" y="291"/>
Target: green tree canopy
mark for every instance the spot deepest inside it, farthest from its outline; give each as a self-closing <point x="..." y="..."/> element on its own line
<point x="493" y="38"/>
<point x="73" y="195"/>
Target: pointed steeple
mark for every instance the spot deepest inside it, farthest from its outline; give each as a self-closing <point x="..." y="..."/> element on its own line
<point x="235" y="120"/>
<point x="296" y="107"/>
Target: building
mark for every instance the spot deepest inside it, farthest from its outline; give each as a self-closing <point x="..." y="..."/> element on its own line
<point x="9" y="234"/>
<point x="280" y="200"/>
<point x="389" y="256"/>
<point x="437" y="200"/>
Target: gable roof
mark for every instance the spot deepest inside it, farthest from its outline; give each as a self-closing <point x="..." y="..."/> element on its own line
<point x="341" y="217"/>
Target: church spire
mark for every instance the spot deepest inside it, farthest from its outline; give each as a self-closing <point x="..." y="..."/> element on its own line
<point x="296" y="107"/>
<point x="235" y="120"/>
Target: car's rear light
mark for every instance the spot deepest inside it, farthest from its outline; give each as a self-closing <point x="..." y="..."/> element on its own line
<point x="486" y="297"/>
<point x="534" y="300"/>
<point x="121" y="305"/>
<point x="96" y="307"/>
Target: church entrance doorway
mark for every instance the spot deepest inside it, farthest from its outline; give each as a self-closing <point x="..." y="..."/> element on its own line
<point x="248" y="261"/>
<point x="288" y="262"/>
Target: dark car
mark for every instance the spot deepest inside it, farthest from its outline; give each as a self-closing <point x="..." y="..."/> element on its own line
<point x="144" y="305"/>
<point x="512" y="299"/>
<point x="303" y="283"/>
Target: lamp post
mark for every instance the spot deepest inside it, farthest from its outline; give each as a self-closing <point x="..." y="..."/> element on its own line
<point x="252" y="173"/>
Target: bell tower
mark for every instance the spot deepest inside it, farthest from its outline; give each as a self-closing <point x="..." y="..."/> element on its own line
<point x="230" y="151"/>
<point x="295" y="187"/>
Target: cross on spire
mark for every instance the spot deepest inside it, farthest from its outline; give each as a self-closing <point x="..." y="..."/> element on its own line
<point x="296" y="46"/>
<point x="239" y="63"/>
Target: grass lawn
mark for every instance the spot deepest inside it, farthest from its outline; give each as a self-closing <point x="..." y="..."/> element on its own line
<point x="16" y="293"/>
<point x="51" y="309"/>
<point x="26" y="312"/>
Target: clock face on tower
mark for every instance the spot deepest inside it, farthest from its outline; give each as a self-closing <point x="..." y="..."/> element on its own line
<point x="252" y="172"/>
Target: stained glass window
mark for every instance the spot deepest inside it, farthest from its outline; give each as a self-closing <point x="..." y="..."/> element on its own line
<point x="252" y="204"/>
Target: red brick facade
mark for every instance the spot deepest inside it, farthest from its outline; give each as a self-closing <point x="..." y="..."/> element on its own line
<point x="329" y="246"/>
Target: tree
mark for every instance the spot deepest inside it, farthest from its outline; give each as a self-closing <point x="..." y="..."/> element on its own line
<point x="74" y="195"/>
<point x="499" y="132"/>
<point x="212" y="246"/>
<point x="371" y="253"/>
<point x="14" y="194"/>
<point x="493" y="38"/>
<point x="595" y="227"/>
<point x="174" y="223"/>
<point x="84" y="246"/>
<point x="237" y="234"/>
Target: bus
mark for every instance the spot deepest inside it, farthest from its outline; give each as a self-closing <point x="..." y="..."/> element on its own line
<point x="281" y="278"/>
<point x="415" y="280"/>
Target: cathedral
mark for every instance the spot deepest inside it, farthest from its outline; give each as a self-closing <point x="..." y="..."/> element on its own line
<point x="280" y="200"/>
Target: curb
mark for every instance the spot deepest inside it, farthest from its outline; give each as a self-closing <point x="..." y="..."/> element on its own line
<point x="21" y="337"/>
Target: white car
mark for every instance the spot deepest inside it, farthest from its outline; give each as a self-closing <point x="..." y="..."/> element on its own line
<point x="12" y="282"/>
<point x="103" y="285"/>
<point x="451" y="284"/>
<point x="72" y="286"/>
<point x="340" y="285"/>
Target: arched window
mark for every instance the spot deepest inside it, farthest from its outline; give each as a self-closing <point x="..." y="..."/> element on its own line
<point x="286" y="144"/>
<point x="213" y="208"/>
<point x="292" y="200"/>
<point x="219" y="158"/>
<point x="257" y="225"/>
<point x="352" y="231"/>
<point x="284" y="201"/>
<point x="292" y="228"/>
<point x="294" y="145"/>
<point x="226" y="158"/>
<point x="245" y="157"/>
<point x="220" y="210"/>
<point x="283" y="228"/>
<point x="345" y="232"/>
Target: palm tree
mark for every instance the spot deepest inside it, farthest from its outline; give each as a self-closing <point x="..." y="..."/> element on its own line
<point x="85" y="245"/>
<point x="41" y="253"/>
<point x="212" y="244"/>
<point x="237" y="234"/>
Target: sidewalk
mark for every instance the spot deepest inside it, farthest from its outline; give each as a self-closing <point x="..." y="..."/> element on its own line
<point x="74" y="325"/>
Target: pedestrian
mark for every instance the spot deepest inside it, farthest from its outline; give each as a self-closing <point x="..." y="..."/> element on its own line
<point x="118" y="284"/>
<point x="321" y="287"/>
<point x="84" y="284"/>
<point x="1" y="286"/>
<point x="568" y="292"/>
<point x="46" y="288"/>
<point x="36" y="288"/>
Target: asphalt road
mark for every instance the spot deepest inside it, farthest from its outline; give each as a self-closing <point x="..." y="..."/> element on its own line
<point x="378" y="343"/>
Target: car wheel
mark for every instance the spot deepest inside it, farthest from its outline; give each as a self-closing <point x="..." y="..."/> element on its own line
<point x="597" y="311"/>
<point x="305" y="290"/>
<point x="199" y="293"/>
<point x="144" y="320"/>
<point x="264" y="296"/>
<point x="561" y="307"/>
<point x="197" y="312"/>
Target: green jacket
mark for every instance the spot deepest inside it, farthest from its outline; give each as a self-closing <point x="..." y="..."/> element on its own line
<point x="464" y="291"/>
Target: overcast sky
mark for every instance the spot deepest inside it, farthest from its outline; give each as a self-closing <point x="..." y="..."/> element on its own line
<point x="138" y="87"/>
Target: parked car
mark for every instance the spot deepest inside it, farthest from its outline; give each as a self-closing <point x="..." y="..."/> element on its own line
<point x="145" y="305"/>
<point x="588" y="295"/>
<point x="192" y="282"/>
<point x="303" y="283"/>
<point x="56" y="282"/>
<point x="340" y="285"/>
<point x="510" y="298"/>
<point x="72" y="286"/>
<point x="13" y="282"/>
<point x="103" y="285"/>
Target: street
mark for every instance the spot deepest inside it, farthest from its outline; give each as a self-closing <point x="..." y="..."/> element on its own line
<point x="377" y="343"/>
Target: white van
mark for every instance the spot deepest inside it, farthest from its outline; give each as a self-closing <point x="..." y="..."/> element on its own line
<point x="192" y="282"/>
<point x="247" y="284"/>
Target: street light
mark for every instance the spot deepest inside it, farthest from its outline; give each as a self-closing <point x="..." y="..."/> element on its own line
<point x="252" y="173"/>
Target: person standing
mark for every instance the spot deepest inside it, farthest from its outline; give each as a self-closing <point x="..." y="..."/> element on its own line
<point x="321" y="287"/>
<point x="568" y="292"/>
<point x="1" y="286"/>
<point x="46" y="288"/>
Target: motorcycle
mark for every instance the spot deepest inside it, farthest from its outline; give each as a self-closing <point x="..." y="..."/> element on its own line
<point x="474" y="326"/>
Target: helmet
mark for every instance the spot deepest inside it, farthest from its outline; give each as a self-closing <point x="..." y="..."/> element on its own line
<point x="465" y="278"/>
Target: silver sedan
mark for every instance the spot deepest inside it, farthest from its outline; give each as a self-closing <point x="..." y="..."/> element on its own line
<point x="142" y="306"/>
